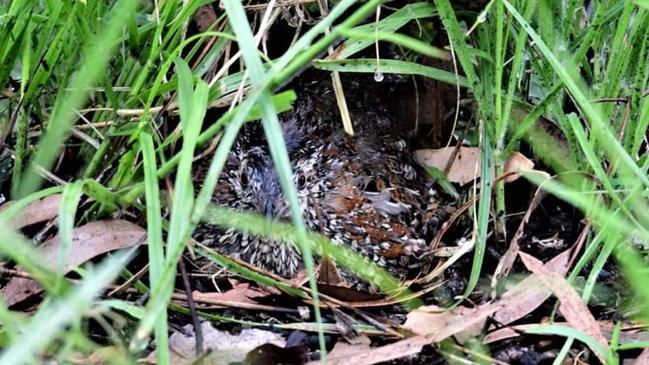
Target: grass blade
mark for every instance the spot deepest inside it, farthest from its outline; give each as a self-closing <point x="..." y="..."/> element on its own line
<point x="277" y="146"/>
<point x="389" y="24"/>
<point x="182" y="203"/>
<point x="565" y="331"/>
<point x="67" y="211"/>
<point x="63" y="116"/>
<point x="154" y="240"/>
<point x="610" y="142"/>
<point x="368" y="65"/>
<point x="58" y="314"/>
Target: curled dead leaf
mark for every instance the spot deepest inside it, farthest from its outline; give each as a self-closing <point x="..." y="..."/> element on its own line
<point x="225" y="348"/>
<point x="375" y="355"/>
<point x="88" y="241"/>
<point x="515" y="164"/>
<point x="241" y="292"/>
<point x="463" y="169"/>
<point x="629" y="332"/>
<point x="438" y="323"/>
<point x="571" y="306"/>
<point x="342" y="350"/>
<point x="527" y="295"/>
<point x="37" y="211"/>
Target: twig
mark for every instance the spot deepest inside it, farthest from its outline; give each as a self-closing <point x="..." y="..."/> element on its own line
<point x="279" y="4"/>
<point x="234" y="304"/>
<point x="198" y="332"/>
<point x="507" y="260"/>
<point x="129" y="283"/>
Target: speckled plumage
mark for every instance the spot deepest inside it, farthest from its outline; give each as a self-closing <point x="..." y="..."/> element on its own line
<point x="364" y="192"/>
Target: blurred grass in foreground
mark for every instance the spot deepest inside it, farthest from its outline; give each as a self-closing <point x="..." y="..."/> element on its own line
<point x="125" y="62"/>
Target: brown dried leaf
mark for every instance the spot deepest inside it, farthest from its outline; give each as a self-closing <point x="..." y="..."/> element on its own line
<point x="102" y="355"/>
<point x="352" y="296"/>
<point x="329" y="274"/>
<point x="527" y="295"/>
<point x="630" y="333"/>
<point x="225" y="347"/>
<point x="571" y="305"/>
<point x="38" y="211"/>
<point x="433" y="324"/>
<point x="88" y="241"/>
<point x="204" y="17"/>
<point x="465" y="168"/>
<point x="342" y="350"/>
<point x="520" y="300"/>
<point x="241" y="292"/>
<point x="516" y="163"/>
<point x="399" y="349"/>
<point x="643" y="358"/>
<point x="438" y="323"/>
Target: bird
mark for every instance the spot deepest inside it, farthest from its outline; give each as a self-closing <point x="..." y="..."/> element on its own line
<point x="364" y="192"/>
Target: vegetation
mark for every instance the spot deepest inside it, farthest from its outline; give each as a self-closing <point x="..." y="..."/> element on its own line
<point x="105" y="102"/>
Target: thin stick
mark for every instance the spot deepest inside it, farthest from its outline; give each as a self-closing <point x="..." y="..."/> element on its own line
<point x="198" y="332"/>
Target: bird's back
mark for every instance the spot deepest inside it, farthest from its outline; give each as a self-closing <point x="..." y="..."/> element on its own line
<point x="363" y="191"/>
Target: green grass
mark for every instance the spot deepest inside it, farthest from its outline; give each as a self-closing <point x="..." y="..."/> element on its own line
<point x="523" y="60"/>
<point x="554" y="47"/>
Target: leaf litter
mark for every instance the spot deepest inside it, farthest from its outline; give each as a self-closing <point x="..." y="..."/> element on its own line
<point x="427" y="325"/>
<point x="222" y="348"/>
<point x="38" y="211"/>
<point x="88" y="241"/>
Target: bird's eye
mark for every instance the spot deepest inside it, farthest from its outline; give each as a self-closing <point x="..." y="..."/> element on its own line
<point x="301" y="180"/>
<point x="243" y="178"/>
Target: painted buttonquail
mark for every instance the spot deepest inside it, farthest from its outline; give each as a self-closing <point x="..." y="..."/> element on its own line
<point x="364" y="192"/>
